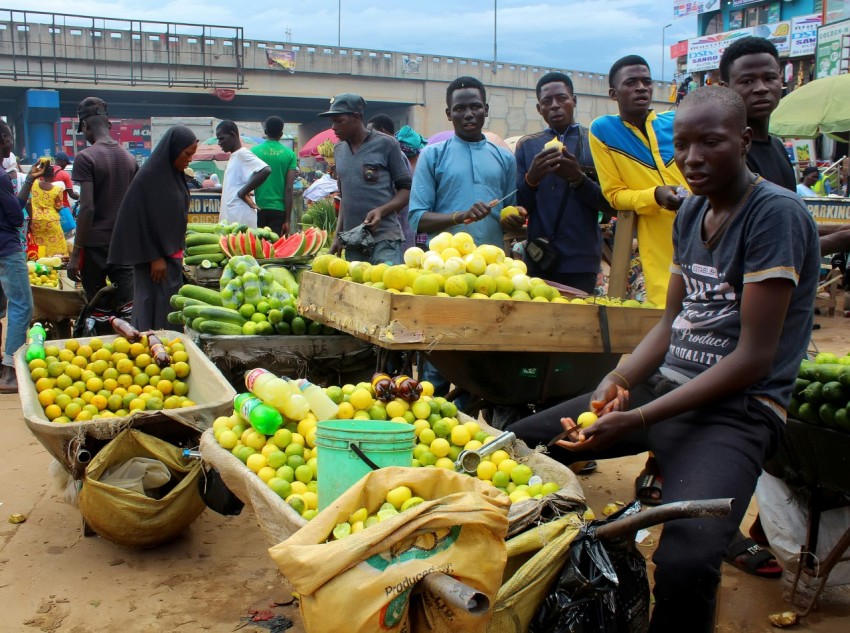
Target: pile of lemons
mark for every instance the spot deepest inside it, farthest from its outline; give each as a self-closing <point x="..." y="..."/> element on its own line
<point x="93" y="380"/>
<point x="286" y="461"/>
<point x="453" y="267"/>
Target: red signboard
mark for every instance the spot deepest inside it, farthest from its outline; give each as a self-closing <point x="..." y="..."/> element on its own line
<point x="134" y="135"/>
<point x="679" y="49"/>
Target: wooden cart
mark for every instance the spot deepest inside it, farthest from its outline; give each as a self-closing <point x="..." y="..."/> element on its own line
<point x="506" y="352"/>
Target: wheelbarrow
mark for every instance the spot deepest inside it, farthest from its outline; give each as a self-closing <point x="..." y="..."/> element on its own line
<point x="57" y="308"/>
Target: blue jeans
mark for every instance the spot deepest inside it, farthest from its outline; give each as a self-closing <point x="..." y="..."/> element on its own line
<point x="384" y="251"/>
<point x="15" y="281"/>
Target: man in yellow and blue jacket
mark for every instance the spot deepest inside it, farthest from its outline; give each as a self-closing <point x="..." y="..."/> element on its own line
<point x="633" y="154"/>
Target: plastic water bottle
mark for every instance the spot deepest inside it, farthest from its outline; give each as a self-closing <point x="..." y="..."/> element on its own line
<point x="263" y="418"/>
<point x="35" y="342"/>
<point x="320" y="404"/>
<point x="280" y="393"/>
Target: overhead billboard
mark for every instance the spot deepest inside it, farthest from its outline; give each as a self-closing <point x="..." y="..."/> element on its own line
<point x="804" y="34"/>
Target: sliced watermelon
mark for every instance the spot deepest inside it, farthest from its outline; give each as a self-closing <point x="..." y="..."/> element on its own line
<point x="244" y="246"/>
<point x="251" y="244"/>
<point x="267" y="248"/>
<point x="233" y="242"/>
<point x="225" y="247"/>
<point x="291" y="247"/>
<point x="310" y="241"/>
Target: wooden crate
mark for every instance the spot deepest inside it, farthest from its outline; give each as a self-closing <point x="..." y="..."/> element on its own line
<point x="396" y="321"/>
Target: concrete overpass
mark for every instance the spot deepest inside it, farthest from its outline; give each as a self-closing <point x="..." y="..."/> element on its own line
<point x="147" y="69"/>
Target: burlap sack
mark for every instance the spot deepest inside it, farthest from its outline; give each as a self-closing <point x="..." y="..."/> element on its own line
<point x="535" y="559"/>
<point x="127" y="517"/>
<point x="365" y="582"/>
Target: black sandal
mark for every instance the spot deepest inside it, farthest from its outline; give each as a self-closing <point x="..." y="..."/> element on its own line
<point x="750" y="557"/>
<point x="645" y="484"/>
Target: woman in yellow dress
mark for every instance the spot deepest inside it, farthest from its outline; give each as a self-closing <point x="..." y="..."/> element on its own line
<point x="45" y="225"/>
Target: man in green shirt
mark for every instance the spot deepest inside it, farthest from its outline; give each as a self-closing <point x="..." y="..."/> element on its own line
<point x="274" y="196"/>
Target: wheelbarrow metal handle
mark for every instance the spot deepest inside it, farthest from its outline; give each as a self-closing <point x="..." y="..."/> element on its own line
<point x="663" y="513"/>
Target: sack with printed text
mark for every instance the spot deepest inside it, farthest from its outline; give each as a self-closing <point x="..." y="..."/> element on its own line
<point x="365" y="582"/>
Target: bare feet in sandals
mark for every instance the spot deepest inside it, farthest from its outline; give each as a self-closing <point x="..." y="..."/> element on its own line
<point x="748" y="556"/>
<point x="648" y="484"/>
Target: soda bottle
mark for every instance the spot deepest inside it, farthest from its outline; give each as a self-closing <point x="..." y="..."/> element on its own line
<point x="35" y="342"/>
<point x="122" y="328"/>
<point x="320" y="404"/>
<point x="263" y="418"/>
<point x="280" y="393"/>
<point x="160" y="356"/>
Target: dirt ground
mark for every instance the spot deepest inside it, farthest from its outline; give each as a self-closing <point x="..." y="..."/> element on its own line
<point x="54" y="579"/>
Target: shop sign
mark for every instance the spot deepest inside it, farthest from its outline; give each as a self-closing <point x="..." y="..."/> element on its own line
<point x="804" y="35"/>
<point x="828" y="52"/>
<point x="779" y="33"/>
<point x="704" y="52"/>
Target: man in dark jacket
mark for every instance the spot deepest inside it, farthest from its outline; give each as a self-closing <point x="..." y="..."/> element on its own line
<point x="553" y="185"/>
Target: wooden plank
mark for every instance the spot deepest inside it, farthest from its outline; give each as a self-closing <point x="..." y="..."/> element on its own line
<point x="618" y="279"/>
<point x="397" y="321"/>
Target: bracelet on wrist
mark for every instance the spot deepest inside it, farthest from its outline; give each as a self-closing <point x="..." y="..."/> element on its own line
<point x="454" y="218"/>
<point x="531" y="184"/>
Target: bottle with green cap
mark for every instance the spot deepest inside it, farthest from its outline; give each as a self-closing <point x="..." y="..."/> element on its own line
<point x="263" y="418"/>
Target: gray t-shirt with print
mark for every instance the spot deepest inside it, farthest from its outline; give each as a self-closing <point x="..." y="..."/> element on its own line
<point x="772" y="236"/>
<point x="369" y="179"/>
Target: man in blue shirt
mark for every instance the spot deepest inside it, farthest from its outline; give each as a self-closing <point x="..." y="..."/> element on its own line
<point x="456" y="180"/>
<point x="552" y="184"/>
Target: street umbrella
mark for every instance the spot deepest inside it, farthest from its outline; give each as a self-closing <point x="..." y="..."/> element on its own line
<point x="490" y="136"/>
<point x="310" y="148"/>
<point x="211" y="150"/>
<point x="819" y="107"/>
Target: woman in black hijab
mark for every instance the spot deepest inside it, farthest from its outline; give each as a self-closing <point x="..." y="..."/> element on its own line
<point x="151" y="228"/>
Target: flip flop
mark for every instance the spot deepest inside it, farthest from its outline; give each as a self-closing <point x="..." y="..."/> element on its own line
<point x="750" y="557"/>
<point x="583" y="468"/>
<point x="645" y="483"/>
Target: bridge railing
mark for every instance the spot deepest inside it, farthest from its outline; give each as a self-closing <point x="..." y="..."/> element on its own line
<point x="74" y="49"/>
<point x="83" y="49"/>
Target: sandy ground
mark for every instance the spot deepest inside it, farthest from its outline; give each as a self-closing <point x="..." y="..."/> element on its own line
<point x="54" y="579"/>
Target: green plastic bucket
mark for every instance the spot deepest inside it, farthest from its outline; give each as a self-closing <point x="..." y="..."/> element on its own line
<point x="383" y="443"/>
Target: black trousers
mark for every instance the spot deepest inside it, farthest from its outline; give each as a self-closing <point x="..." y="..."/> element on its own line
<point x="94" y="273"/>
<point x="271" y="218"/>
<point x="151" y="302"/>
<point x="709" y="453"/>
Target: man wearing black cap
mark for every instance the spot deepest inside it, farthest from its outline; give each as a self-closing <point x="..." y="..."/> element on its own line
<point x="104" y="172"/>
<point x="60" y="174"/>
<point x="374" y="181"/>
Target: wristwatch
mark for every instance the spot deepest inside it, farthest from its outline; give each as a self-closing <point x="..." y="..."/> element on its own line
<point x="578" y="184"/>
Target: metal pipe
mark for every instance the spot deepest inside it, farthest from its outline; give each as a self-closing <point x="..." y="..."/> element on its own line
<point x="456" y="594"/>
<point x="668" y="512"/>
<point x="468" y="461"/>
<point x="83" y="456"/>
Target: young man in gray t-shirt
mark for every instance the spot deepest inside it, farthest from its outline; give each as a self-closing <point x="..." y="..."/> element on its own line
<point x="707" y="389"/>
<point x="374" y="182"/>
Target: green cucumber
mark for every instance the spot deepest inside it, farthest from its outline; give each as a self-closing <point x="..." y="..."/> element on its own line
<point x="198" y="239"/>
<point x="197" y="260"/>
<point x="204" y="249"/>
<point x="178" y="302"/>
<point x="207" y="295"/>
<point x="220" y="328"/>
<point x="196" y="323"/>
<point x="224" y="315"/>
<point x="176" y="318"/>
<point x="813" y="394"/>
<point x="197" y="227"/>
<point x="194" y="311"/>
<point x="829" y="372"/>
<point x="834" y="391"/>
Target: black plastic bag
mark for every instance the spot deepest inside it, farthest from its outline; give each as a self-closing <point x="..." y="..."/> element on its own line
<point x="359" y="237"/>
<point x="216" y="495"/>
<point x="602" y="588"/>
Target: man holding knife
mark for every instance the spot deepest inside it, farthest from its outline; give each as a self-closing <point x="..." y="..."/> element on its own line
<point x="462" y="184"/>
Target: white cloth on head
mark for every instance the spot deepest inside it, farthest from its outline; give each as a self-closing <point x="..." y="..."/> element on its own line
<point x="214" y="178"/>
<point x="241" y="166"/>
<point x="324" y="186"/>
